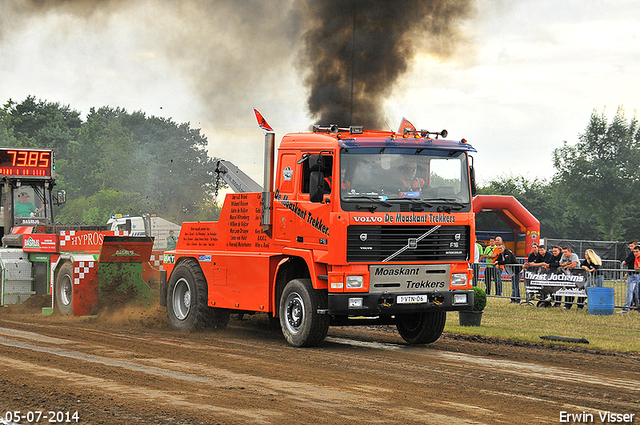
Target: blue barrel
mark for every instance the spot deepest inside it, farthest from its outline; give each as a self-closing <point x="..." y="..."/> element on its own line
<point x="600" y="300"/>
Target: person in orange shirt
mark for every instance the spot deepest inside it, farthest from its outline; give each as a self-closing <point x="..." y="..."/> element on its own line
<point x="345" y="185"/>
<point x="410" y="182"/>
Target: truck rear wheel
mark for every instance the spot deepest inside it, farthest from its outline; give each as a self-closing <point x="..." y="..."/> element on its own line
<point x="63" y="290"/>
<point x="421" y="328"/>
<point x="301" y="324"/>
<point x="187" y="307"/>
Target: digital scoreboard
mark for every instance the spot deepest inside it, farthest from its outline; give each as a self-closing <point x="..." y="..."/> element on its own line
<point x="26" y="162"/>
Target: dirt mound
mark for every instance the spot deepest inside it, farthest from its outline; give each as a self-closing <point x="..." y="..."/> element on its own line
<point x="33" y="304"/>
<point x="37" y="302"/>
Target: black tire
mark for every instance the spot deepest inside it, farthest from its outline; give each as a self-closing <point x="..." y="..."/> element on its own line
<point x="187" y="307"/>
<point x="301" y="324"/>
<point x="421" y="328"/>
<point x="63" y="290"/>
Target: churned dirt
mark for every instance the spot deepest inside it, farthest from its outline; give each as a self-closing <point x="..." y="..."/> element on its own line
<point x="129" y="367"/>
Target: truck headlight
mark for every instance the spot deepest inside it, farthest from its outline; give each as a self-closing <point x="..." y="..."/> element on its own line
<point x="355" y="282"/>
<point x="459" y="279"/>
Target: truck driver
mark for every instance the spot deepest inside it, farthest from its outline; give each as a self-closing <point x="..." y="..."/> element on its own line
<point x="23" y="207"/>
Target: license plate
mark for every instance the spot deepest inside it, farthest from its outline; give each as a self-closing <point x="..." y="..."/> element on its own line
<point x="411" y="299"/>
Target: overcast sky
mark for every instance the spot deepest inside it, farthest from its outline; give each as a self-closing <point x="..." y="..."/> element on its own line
<point x="526" y="78"/>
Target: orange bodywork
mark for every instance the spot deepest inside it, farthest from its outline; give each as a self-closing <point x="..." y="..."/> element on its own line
<point x="241" y="262"/>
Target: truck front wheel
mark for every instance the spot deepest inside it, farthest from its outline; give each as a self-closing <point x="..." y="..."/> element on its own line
<point x="187" y="307"/>
<point x="300" y="321"/>
<point x="421" y="328"/>
<point x="64" y="290"/>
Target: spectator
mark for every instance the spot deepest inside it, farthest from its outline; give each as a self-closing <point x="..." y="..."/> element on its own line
<point x="628" y="263"/>
<point x="592" y="264"/>
<point x="476" y="263"/>
<point x="534" y="256"/>
<point x="633" y="280"/>
<point x="545" y="258"/>
<point x="172" y="241"/>
<point x="490" y="254"/>
<point x="553" y="266"/>
<point x="532" y="259"/>
<point x="506" y="257"/>
<point x="570" y="260"/>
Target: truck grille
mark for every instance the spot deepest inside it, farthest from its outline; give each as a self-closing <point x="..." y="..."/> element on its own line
<point x="377" y="243"/>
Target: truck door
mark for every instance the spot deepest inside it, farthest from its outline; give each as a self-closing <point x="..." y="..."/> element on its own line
<point x="314" y="199"/>
<point x="283" y="226"/>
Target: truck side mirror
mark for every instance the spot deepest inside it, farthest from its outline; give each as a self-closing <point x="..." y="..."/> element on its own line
<point x="61" y="197"/>
<point x="316" y="163"/>
<point x="316" y="186"/>
<point x="472" y="177"/>
<point x="127" y="225"/>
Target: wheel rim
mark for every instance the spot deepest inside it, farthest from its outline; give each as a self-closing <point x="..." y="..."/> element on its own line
<point x="294" y="313"/>
<point x="66" y="290"/>
<point x="182" y="299"/>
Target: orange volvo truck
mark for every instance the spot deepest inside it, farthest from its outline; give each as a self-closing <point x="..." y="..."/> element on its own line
<point x="359" y="228"/>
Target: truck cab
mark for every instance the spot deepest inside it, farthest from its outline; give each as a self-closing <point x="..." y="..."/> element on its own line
<point x="391" y="216"/>
<point x="357" y="227"/>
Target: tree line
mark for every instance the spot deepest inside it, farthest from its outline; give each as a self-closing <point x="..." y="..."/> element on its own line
<point x="117" y="162"/>
<point x="595" y="190"/>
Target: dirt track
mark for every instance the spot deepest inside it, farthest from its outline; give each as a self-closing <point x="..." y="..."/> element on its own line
<point x="131" y="368"/>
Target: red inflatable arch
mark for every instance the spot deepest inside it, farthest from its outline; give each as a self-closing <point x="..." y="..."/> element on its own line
<point x="517" y="217"/>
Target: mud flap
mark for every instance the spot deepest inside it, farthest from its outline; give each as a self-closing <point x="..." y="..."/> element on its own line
<point x="120" y="268"/>
<point x="84" y="278"/>
<point x="163" y="289"/>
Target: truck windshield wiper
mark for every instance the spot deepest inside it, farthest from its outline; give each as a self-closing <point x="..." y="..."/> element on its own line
<point x="452" y="204"/>
<point x="415" y="201"/>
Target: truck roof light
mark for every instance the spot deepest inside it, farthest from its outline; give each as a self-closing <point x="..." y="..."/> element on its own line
<point x="335" y="129"/>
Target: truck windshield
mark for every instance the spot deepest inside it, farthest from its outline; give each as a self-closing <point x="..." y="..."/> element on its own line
<point x="399" y="179"/>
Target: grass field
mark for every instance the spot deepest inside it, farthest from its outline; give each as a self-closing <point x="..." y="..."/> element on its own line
<point x="503" y="319"/>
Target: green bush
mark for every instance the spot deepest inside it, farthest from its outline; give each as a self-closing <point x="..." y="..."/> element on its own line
<point x="479" y="299"/>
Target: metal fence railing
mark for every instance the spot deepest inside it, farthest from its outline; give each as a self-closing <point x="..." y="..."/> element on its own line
<point x="614" y="277"/>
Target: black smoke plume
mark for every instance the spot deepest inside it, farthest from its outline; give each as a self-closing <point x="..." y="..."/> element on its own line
<point x="355" y="50"/>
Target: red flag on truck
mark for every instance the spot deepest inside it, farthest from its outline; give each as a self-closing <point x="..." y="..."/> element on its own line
<point x="406" y="126"/>
<point x="261" y="121"/>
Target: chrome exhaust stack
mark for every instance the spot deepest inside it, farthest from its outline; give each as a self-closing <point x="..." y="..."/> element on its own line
<point x="267" y="187"/>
